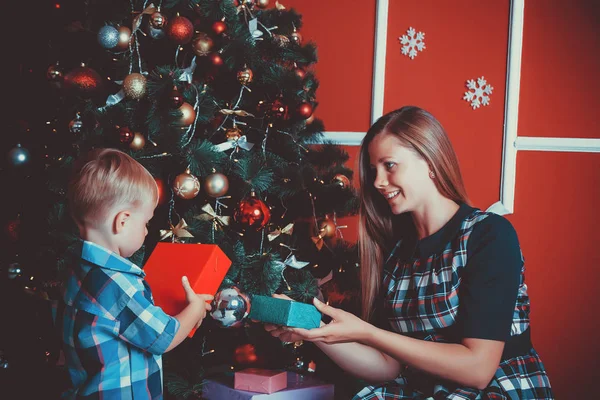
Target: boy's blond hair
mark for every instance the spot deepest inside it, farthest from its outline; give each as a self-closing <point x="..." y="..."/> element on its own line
<point x="105" y="178"/>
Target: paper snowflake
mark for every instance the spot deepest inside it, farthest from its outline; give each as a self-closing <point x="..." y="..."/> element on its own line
<point x="412" y="42"/>
<point x="478" y="92"/>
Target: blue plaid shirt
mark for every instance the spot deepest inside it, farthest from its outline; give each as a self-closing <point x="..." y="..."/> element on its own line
<point x="113" y="334"/>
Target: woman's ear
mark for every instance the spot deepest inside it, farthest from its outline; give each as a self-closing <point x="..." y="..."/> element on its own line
<point x="121" y="219"/>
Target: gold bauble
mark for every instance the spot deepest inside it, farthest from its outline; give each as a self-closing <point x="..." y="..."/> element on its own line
<point x="216" y="185"/>
<point x="233" y="134"/>
<point x="124" y="36"/>
<point x="341" y="180"/>
<point x="296" y="37"/>
<point x="202" y="44"/>
<point x="327" y="228"/>
<point x="134" y="86"/>
<point x="188" y="114"/>
<point x="262" y="3"/>
<point x="186" y="185"/>
<point x="138" y="142"/>
<point x="245" y="76"/>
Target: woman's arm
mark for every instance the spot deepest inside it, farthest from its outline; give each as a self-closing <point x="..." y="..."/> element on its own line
<point x="471" y="363"/>
<point x="355" y="358"/>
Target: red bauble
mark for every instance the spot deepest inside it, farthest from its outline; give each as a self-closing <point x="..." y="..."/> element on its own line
<point x="180" y="30"/>
<point x="215" y="59"/>
<point x="219" y="27"/>
<point x="126" y="135"/>
<point x="341" y="180"/>
<point x="162" y="193"/>
<point x="216" y="121"/>
<point x="304" y="110"/>
<point x="327" y="228"/>
<point x="277" y="110"/>
<point x="12" y="229"/>
<point x="245" y="354"/>
<point x="83" y="81"/>
<point x="175" y="98"/>
<point x="252" y="213"/>
<point x="300" y="73"/>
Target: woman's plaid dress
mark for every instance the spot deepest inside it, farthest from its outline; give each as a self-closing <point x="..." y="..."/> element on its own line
<point x="464" y="281"/>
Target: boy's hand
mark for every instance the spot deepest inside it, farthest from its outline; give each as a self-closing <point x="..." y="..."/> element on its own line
<point x="191" y="297"/>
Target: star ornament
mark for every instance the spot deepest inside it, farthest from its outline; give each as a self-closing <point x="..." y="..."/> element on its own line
<point x="176" y="232"/>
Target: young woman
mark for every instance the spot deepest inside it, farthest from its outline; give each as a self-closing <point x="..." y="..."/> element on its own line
<point x="444" y="303"/>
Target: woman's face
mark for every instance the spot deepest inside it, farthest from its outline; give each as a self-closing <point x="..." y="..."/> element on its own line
<point x="401" y="175"/>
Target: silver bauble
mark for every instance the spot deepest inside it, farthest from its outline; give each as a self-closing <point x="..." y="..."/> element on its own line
<point x="230" y="307"/>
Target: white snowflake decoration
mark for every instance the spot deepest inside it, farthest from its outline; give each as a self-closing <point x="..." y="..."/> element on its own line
<point x="412" y="42"/>
<point x="478" y="92"/>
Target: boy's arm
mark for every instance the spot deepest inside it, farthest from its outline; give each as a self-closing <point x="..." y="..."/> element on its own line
<point x="148" y="327"/>
<point x="192" y="315"/>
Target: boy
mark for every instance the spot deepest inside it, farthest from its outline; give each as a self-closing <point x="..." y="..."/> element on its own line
<point x="113" y="334"/>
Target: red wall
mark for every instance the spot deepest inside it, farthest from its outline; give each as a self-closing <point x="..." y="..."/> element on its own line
<point x="556" y="193"/>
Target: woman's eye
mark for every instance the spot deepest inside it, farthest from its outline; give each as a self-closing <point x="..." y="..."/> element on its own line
<point x="389" y="165"/>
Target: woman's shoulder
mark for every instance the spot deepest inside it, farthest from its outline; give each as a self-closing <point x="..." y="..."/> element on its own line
<point x="490" y="231"/>
<point x="487" y="222"/>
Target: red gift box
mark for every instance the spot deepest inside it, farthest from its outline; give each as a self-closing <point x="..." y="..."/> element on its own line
<point x="205" y="265"/>
<point x="260" y="380"/>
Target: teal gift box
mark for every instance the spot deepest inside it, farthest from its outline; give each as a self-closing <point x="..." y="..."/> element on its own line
<point x="284" y="312"/>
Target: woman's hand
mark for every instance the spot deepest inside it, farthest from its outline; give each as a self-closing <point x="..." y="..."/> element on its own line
<point x="344" y="327"/>
<point x="282" y="332"/>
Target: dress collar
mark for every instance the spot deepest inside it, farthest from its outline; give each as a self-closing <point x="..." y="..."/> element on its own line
<point x="436" y="242"/>
<point x="409" y="247"/>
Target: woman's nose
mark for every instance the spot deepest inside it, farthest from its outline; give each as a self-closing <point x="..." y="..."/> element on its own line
<point x="380" y="180"/>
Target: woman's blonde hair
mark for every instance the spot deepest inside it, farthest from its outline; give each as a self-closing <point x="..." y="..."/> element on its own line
<point x="418" y="130"/>
<point x="105" y="178"/>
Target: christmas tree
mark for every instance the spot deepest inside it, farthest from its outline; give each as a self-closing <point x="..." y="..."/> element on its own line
<point x="216" y="99"/>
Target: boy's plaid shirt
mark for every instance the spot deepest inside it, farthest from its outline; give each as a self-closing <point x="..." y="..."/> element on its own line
<point x="113" y="334"/>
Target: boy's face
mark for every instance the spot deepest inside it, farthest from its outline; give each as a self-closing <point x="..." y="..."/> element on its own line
<point x="136" y="228"/>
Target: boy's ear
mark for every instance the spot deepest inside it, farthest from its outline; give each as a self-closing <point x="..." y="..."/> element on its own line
<point x="120" y="220"/>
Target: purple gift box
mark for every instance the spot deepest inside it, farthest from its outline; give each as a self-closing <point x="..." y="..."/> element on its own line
<point x="299" y="387"/>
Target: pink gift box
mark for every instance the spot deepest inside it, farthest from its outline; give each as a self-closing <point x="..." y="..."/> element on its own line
<point x="260" y="380"/>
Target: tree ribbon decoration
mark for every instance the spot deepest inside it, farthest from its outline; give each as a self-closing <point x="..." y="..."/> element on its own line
<point x="230" y="144"/>
<point x="318" y="241"/>
<point x="137" y="21"/>
<point x="218" y="220"/>
<point x="115" y="98"/>
<point x="292" y="261"/>
<point x="187" y="73"/>
<point x="176" y="232"/>
<point x="288" y="230"/>
<point x="239" y="113"/>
